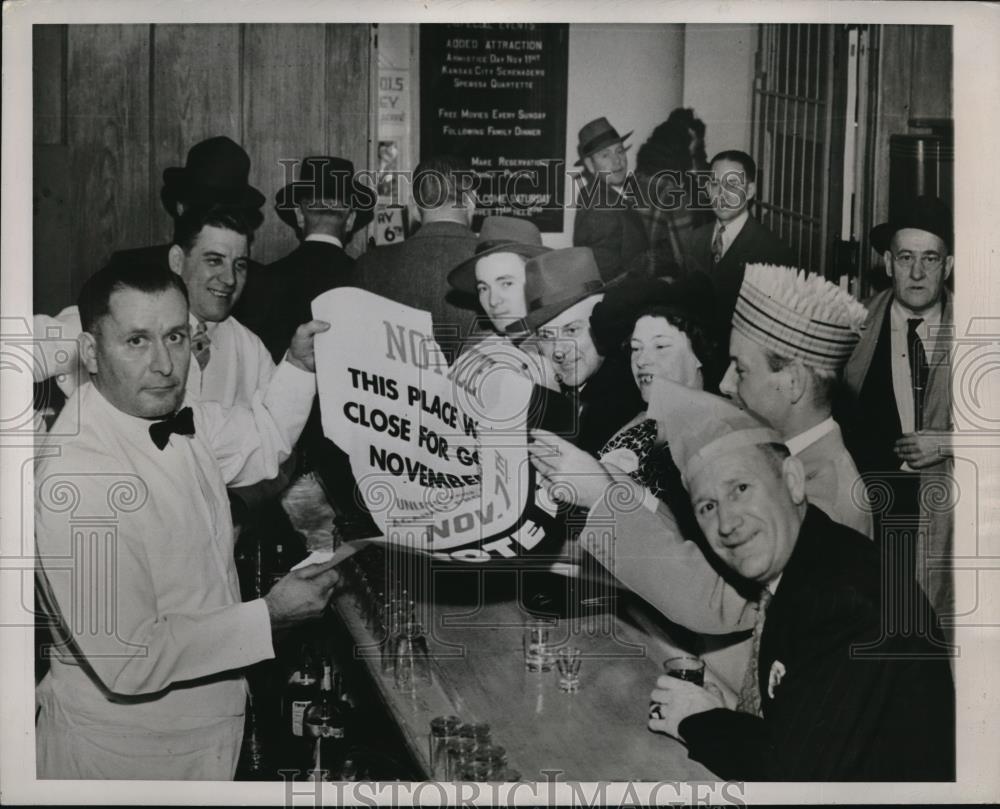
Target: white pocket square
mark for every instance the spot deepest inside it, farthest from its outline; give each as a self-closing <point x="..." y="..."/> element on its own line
<point x="775" y="677"/>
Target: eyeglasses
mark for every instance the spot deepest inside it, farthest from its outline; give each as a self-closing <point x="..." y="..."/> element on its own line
<point x="929" y="262"/>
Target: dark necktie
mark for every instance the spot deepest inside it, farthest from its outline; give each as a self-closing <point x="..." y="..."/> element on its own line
<point x="717" y="247"/>
<point x="182" y="423"/>
<point x="919" y="370"/>
<point x="749" y="698"/>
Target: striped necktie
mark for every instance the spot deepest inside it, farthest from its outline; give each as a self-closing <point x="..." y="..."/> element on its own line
<point x="717" y="246"/>
<point x="749" y="698"/>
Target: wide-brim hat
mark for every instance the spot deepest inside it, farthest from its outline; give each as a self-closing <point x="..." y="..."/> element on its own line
<point x="556" y="280"/>
<point x="925" y="213"/>
<point x="499" y="234"/>
<point x="324" y="177"/>
<point x="216" y="172"/>
<point x="595" y="136"/>
<point x="690" y="298"/>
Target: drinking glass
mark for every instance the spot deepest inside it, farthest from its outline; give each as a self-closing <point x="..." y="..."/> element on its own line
<point x="539" y="634"/>
<point x="411" y="664"/>
<point x="689" y="669"/>
<point x="443" y="730"/>
<point x="568" y="663"/>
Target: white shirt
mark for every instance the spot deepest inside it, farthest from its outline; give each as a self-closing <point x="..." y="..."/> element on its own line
<point x="902" y="378"/>
<point x="324" y="237"/>
<point x="139" y="559"/>
<point x="806" y="439"/>
<point x="238" y="366"/>
<point x="732" y="230"/>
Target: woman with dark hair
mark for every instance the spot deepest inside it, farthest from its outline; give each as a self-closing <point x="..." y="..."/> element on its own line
<point x="666" y="330"/>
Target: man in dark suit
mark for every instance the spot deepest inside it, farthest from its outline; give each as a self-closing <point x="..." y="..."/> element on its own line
<point x="900" y="380"/>
<point x="562" y="287"/>
<point x="607" y="221"/>
<point x="826" y="695"/>
<point x="723" y="248"/>
<point x="415" y="272"/>
<point x="326" y="206"/>
<point x="216" y="173"/>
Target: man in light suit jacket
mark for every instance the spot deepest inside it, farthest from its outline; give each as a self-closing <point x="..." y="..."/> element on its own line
<point x="415" y="272"/>
<point x="723" y="248"/>
<point x="792" y="334"/>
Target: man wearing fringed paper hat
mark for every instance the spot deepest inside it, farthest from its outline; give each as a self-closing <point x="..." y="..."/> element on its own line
<point x="792" y="334"/>
<point x="825" y="696"/>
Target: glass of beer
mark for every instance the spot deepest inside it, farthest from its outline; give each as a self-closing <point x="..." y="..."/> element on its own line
<point x="690" y="669"/>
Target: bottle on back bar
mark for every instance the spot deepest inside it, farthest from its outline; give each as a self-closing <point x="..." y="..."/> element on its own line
<point x="300" y="692"/>
<point x="279" y="565"/>
<point x="323" y="726"/>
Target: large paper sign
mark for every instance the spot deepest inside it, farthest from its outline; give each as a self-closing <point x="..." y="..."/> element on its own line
<point x="439" y="453"/>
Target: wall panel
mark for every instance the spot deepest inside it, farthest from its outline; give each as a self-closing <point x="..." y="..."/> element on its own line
<point x="284" y="113"/>
<point x="107" y="131"/>
<point x="195" y="95"/>
<point x="115" y="105"/>
<point x="348" y="71"/>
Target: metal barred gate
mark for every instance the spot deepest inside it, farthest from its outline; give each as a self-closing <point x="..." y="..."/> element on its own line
<point x="812" y="131"/>
<point x="792" y="136"/>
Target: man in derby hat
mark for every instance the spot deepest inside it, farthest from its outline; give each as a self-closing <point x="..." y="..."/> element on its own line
<point x="415" y="271"/>
<point x="900" y="374"/>
<point x="606" y="221"/>
<point x="325" y="206"/>
<point x="724" y="247"/>
<point x="792" y="335"/>
<point x="562" y="287"/>
<point x="216" y="172"/>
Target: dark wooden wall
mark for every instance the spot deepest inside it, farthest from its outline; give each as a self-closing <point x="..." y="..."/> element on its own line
<point x="915" y="81"/>
<point x="114" y="105"/>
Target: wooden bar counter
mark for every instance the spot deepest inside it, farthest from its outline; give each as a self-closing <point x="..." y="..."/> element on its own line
<point x="478" y="674"/>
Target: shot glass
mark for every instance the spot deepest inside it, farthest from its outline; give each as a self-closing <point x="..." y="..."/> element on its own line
<point x="539" y="634"/>
<point x="495" y="757"/>
<point x="460" y="754"/>
<point x="411" y="664"/>
<point x="690" y="669"/>
<point x="475" y="770"/>
<point x="443" y="731"/>
<point x="568" y="663"/>
<point x="482" y="734"/>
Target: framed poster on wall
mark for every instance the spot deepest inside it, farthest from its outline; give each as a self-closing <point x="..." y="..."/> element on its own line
<point x="496" y="94"/>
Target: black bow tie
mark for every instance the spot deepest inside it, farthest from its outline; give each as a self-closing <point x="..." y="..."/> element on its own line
<point x="182" y="423"/>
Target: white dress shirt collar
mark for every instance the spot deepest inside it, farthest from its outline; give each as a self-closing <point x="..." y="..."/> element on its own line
<point x="324" y="237"/>
<point x="805" y="439"/>
<point x="732" y="230"/>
